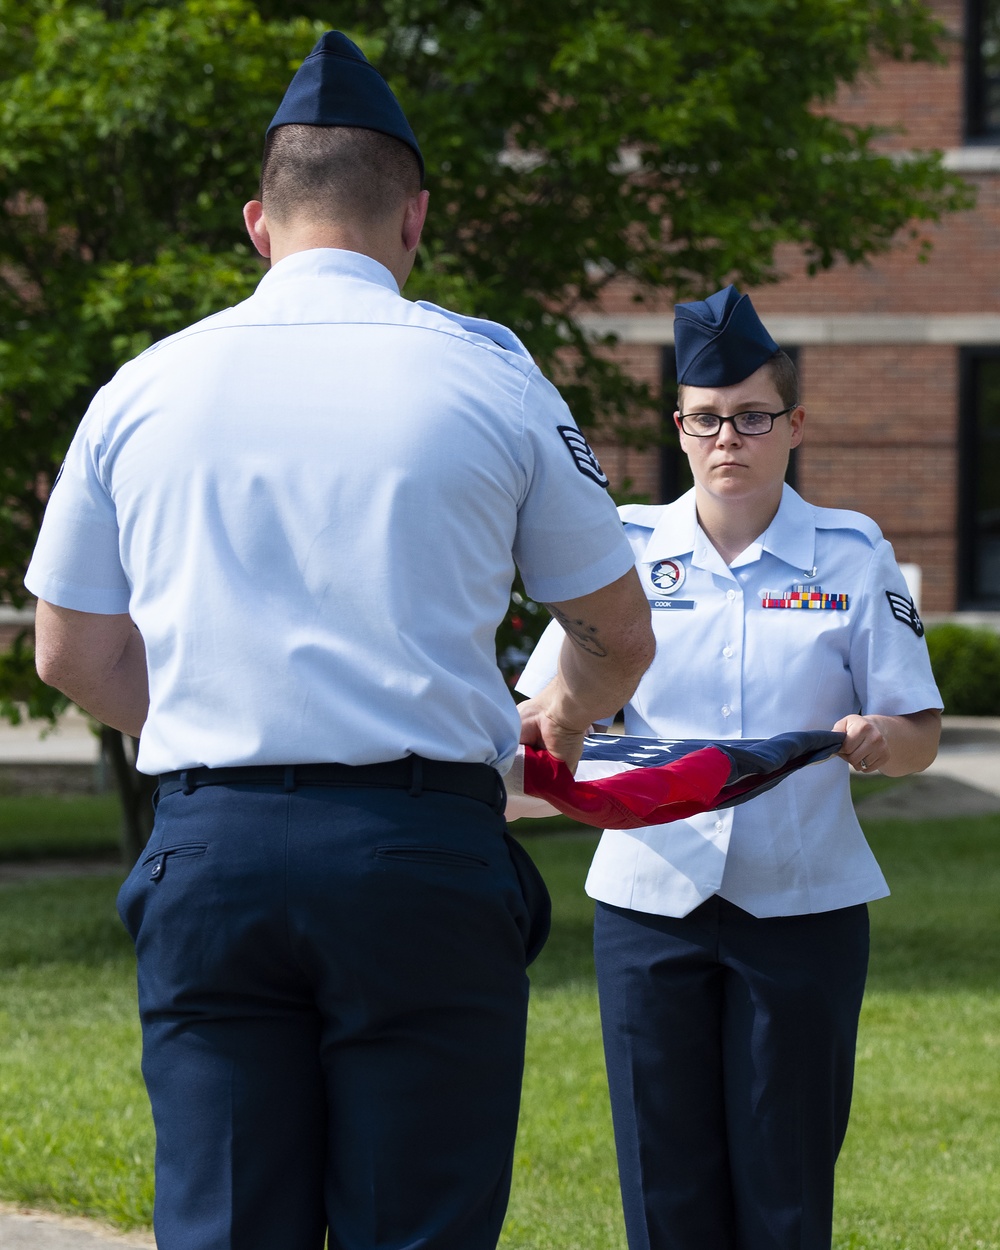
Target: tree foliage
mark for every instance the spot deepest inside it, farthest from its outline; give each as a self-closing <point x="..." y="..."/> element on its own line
<point x="569" y="144"/>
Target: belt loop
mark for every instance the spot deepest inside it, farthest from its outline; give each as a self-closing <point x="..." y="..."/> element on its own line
<point x="416" y="777"/>
<point x="187" y="782"/>
<point x="289" y="778"/>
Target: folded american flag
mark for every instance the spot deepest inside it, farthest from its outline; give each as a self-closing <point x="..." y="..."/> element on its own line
<point x="626" y="782"/>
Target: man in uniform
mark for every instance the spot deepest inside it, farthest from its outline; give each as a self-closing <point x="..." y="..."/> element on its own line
<point x="279" y="549"/>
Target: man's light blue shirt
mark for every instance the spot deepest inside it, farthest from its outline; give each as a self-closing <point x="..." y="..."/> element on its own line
<point x="311" y="505"/>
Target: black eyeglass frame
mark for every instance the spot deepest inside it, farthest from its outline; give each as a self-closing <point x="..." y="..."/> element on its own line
<point x="722" y="420"/>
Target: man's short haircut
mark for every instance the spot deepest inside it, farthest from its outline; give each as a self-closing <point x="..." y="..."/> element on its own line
<point x="784" y="375"/>
<point x="335" y="174"/>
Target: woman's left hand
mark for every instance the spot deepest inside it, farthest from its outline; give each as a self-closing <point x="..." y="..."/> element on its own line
<point x="894" y="745"/>
<point x="865" y="746"/>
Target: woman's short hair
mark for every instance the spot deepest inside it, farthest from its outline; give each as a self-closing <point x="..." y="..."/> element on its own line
<point x="783" y="373"/>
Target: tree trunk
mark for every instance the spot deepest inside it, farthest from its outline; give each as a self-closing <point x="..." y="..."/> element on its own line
<point x="135" y="791"/>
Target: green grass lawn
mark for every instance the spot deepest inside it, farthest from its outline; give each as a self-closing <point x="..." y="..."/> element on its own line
<point x="920" y="1171"/>
<point x="59" y="826"/>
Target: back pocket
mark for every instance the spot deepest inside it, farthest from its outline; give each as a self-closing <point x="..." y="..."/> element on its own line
<point x="157" y="862"/>
<point x="442" y="855"/>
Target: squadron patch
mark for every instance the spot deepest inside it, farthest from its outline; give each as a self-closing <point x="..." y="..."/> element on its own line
<point x="583" y="456"/>
<point x="667" y="576"/>
<point x="905" y="610"/>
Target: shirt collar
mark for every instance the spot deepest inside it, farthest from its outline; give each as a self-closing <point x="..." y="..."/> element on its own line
<point x="791" y="536"/>
<point x="321" y="262"/>
<point x="676" y="532"/>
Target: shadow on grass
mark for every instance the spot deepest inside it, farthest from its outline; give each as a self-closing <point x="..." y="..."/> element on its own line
<point x="939" y="930"/>
<point x="37" y="827"/>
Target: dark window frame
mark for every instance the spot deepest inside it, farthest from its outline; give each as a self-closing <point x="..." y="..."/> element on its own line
<point x="674" y="473"/>
<point x="967" y="526"/>
<point x="977" y="127"/>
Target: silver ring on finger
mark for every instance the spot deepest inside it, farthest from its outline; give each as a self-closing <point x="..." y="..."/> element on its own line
<point x="863" y="765"/>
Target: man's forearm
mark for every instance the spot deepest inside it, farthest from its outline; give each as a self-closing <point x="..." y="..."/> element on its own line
<point x="593" y="684"/>
<point x="608" y="646"/>
<point x="97" y="661"/>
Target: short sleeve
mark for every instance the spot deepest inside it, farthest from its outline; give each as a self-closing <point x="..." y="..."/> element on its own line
<point x="76" y="562"/>
<point x="889" y="660"/>
<point x="570" y="541"/>
<point x="543" y="663"/>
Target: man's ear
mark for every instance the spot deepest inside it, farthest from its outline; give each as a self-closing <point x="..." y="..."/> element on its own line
<point x="413" y="220"/>
<point x="253" y="218"/>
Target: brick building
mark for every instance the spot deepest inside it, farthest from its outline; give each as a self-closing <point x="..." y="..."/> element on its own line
<point x="899" y="361"/>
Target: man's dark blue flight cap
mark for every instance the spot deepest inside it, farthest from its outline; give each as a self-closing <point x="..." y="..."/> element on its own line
<point x="336" y="85"/>
<point x="720" y="341"/>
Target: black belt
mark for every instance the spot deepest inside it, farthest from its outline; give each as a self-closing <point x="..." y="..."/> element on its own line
<point x="413" y="773"/>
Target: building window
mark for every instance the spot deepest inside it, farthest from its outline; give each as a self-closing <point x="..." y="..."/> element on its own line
<point x="675" y="475"/>
<point x="983" y="69"/>
<point x="979" y="485"/>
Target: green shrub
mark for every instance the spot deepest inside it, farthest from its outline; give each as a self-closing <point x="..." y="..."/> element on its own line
<point x="966" y="663"/>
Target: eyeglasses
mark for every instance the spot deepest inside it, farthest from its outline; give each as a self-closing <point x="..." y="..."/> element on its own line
<point x="708" y="424"/>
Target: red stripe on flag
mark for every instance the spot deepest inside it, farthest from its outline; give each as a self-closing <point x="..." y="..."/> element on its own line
<point x="635" y="797"/>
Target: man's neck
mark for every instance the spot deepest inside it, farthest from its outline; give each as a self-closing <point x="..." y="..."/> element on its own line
<point x="306" y="236"/>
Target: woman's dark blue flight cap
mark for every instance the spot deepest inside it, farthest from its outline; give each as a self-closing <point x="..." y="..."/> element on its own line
<point x="336" y="85"/>
<point x="720" y="341"/>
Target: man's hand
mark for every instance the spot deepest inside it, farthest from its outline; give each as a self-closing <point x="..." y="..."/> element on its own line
<point x="541" y="728"/>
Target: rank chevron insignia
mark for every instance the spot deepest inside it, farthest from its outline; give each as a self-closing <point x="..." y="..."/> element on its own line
<point x="904" y="610"/>
<point x="583" y="455"/>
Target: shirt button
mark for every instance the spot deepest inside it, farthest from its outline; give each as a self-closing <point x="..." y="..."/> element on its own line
<point x="719" y="826"/>
<point x="726" y="710"/>
<point x="727" y="652"/>
<point x="730" y="595"/>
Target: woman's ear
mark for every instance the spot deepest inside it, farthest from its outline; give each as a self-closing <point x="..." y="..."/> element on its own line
<point x="797" y="420"/>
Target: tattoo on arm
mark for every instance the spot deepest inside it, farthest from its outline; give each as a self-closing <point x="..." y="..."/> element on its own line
<point x="585" y="636"/>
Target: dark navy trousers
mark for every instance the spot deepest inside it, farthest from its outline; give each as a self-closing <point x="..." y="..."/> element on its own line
<point x="333" y="997"/>
<point x="730" y="1046"/>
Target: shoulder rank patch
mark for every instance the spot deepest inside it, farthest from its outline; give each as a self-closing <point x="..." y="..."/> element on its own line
<point x="583" y="456"/>
<point x="904" y="610"/>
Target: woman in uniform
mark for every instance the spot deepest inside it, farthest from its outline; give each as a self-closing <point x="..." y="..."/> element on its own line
<point x="732" y="947"/>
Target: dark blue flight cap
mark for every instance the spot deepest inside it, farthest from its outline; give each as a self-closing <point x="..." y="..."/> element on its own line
<point x="336" y="85"/>
<point x="720" y="341"/>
